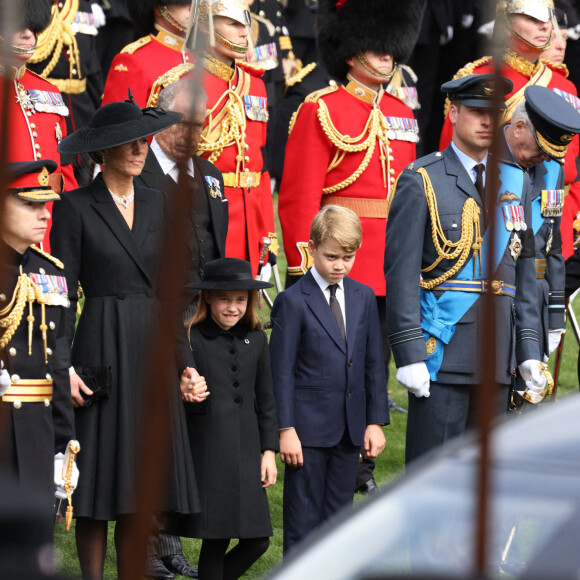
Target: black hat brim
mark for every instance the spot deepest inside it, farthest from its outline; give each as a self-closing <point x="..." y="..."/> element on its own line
<point x="232" y="285"/>
<point x="88" y="139"/>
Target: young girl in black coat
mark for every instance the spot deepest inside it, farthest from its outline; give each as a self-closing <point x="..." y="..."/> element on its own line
<point x="234" y="432"/>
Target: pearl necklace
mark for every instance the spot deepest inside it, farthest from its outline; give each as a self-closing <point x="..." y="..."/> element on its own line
<point x="124" y="200"/>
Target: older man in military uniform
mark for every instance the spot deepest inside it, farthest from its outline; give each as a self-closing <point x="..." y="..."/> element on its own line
<point x="37" y="411"/>
<point x="437" y="265"/>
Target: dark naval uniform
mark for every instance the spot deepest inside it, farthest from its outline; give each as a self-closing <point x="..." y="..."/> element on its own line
<point x="38" y="419"/>
<point x="439" y="319"/>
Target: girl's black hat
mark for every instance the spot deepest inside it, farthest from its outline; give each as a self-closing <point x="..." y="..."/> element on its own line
<point x="229" y="274"/>
<point x="116" y="124"/>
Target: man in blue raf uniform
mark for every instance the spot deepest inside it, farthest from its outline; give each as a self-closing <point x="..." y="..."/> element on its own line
<point x="36" y="407"/>
<point x="434" y="311"/>
<point x="537" y="139"/>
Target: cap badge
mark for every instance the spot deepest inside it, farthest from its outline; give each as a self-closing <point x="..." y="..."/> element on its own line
<point x="566" y="138"/>
<point x="43" y="177"/>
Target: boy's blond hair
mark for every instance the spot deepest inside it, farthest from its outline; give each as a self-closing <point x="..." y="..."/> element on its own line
<point x="334" y="222"/>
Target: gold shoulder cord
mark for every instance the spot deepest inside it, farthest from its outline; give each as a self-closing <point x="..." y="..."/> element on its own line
<point x="446" y="249"/>
<point x="50" y="258"/>
<point x="59" y="34"/>
<point x="375" y="130"/>
<point x="25" y="291"/>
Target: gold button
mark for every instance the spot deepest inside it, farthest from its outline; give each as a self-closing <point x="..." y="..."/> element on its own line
<point x="246" y="158"/>
<point x="14" y="378"/>
<point x="187" y="58"/>
<point x="12" y="352"/>
<point x="74" y="71"/>
<point x="38" y="155"/>
<point x="278" y="14"/>
<point x="49" y="351"/>
<point x="392" y="180"/>
<point x="46" y="403"/>
<point x="48" y="377"/>
<point x="391" y="158"/>
<point x="392" y="171"/>
<point x="34" y="134"/>
<point x="332" y="83"/>
<point x="2" y="297"/>
<point x="246" y="146"/>
<point x="17" y="404"/>
<point x="51" y="325"/>
<point x="37" y="146"/>
<point x="246" y="169"/>
<point x="28" y="114"/>
<point x="32" y="125"/>
<point x="42" y="270"/>
<point x="278" y="29"/>
<point x="262" y="13"/>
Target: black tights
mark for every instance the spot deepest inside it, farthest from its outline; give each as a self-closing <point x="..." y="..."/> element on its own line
<point x="215" y="564"/>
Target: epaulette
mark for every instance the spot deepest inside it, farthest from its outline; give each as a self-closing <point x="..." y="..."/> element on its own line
<point x="50" y="258"/>
<point x="410" y="72"/>
<point x="300" y="75"/>
<point x="424" y="161"/>
<point x="252" y="69"/>
<point x="166" y="79"/>
<point x="316" y="95"/>
<point x="561" y="68"/>
<point x="463" y="72"/>
<point x="134" y="46"/>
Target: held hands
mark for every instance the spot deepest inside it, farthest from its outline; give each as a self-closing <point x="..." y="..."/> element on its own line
<point x="269" y="469"/>
<point x="4" y="379"/>
<point x="533" y="376"/>
<point x="374" y="441"/>
<point x="415" y="378"/>
<point x="290" y="448"/>
<point x="193" y="386"/>
<point x="60" y="492"/>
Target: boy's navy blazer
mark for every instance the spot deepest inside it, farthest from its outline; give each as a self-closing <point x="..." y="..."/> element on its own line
<point x="322" y="385"/>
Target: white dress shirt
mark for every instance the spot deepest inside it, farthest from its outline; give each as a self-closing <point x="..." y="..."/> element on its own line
<point x="168" y="166"/>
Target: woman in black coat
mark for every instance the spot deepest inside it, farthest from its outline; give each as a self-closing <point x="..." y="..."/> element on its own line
<point x="110" y="235"/>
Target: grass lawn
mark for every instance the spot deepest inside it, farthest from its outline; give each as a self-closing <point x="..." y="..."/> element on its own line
<point x="389" y="465"/>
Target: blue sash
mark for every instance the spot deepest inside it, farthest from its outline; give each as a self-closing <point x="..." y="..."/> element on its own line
<point x="551" y="179"/>
<point x="439" y="316"/>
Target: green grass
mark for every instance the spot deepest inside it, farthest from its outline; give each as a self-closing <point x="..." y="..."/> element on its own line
<point x="388" y="465"/>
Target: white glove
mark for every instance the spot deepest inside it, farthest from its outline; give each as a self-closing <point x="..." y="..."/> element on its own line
<point x="554" y="337"/>
<point x="100" y="19"/>
<point x="534" y="378"/>
<point x="447" y="36"/>
<point x="467" y="20"/>
<point x="4" y="379"/>
<point x="266" y="272"/>
<point x="60" y="492"/>
<point x="415" y="378"/>
<point x="486" y="29"/>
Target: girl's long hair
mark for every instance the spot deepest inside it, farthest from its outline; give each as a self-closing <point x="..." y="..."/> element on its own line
<point x="250" y="318"/>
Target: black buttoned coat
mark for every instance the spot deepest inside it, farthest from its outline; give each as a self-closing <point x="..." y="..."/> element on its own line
<point x="229" y="430"/>
<point x="117" y="269"/>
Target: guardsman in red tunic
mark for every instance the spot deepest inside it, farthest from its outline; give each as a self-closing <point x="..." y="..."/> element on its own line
<point x="529" y="25"/>
<point x="36" y="119"/>
<point x="140" y="64"/>
<point x="348" y="143"/>
<point x="235" y="127"/>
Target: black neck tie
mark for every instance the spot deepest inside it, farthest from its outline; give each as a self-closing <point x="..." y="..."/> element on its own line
<point x="479" y="169"/>
<point x="336" y="311"/>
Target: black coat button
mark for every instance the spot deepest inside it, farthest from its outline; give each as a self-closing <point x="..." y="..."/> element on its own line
<point x="350" y="363"/>
<point x="234" y="368"/>
<point x="121" y="295"/>
<point x="236" y="383"/>
<point x="348" y="393"/>
<point x="149" y="293"/>
<point x="232" y="351"/>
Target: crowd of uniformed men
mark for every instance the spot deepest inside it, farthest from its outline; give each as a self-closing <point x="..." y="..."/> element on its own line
<point x="365" y="104"/>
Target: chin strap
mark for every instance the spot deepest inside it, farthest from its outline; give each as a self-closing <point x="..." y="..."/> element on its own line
<point x="364" y="61"/>
<point x="237" y="48"/>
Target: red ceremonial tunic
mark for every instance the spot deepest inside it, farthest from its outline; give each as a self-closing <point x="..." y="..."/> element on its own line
<point x="36" y="125"/>
<point x="140" y="64"/>
<point x="344" y="113"/>
<point x="232" y="139"/>
<point x="523" y="73"/>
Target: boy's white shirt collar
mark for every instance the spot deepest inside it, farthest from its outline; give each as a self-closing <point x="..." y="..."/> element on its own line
<point x="323" y="283"/>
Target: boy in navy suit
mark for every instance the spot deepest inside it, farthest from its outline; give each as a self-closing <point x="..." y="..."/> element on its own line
<point x="329" y="376"/>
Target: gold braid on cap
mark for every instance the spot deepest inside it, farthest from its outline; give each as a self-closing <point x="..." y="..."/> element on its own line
<point x="447" y="250"/>
<point x="25" y="291"/>
<point x="57" y="36"/>
<point x="374" y="131"/>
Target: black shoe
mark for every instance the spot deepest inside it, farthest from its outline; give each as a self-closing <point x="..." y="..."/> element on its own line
<point x="154" y="568"/>
<point x="394" y="407"/>
<point x="369" y="487"/>
<point x="179" y="565"/>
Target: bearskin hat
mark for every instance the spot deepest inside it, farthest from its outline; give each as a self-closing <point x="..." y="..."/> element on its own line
<point x="32" y="14"/>
<point x="346" y="27"/>
<point x="141" y="12"/>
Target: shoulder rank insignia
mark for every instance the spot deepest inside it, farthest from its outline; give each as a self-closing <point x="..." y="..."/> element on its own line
<point x="300" y="75"/>
<point x="50" y="258"/>
<point x="213" y="185"/>
<point x="121" y="67"/>
<point x="131" y="48"/>
<point x="313" y="97"/>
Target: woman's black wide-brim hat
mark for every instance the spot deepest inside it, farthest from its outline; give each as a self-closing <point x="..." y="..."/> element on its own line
<point x="117" y="124"/>
<point x="229" y="274"/>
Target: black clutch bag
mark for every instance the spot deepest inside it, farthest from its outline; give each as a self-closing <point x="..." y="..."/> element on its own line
<point x="98" y="379"/>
